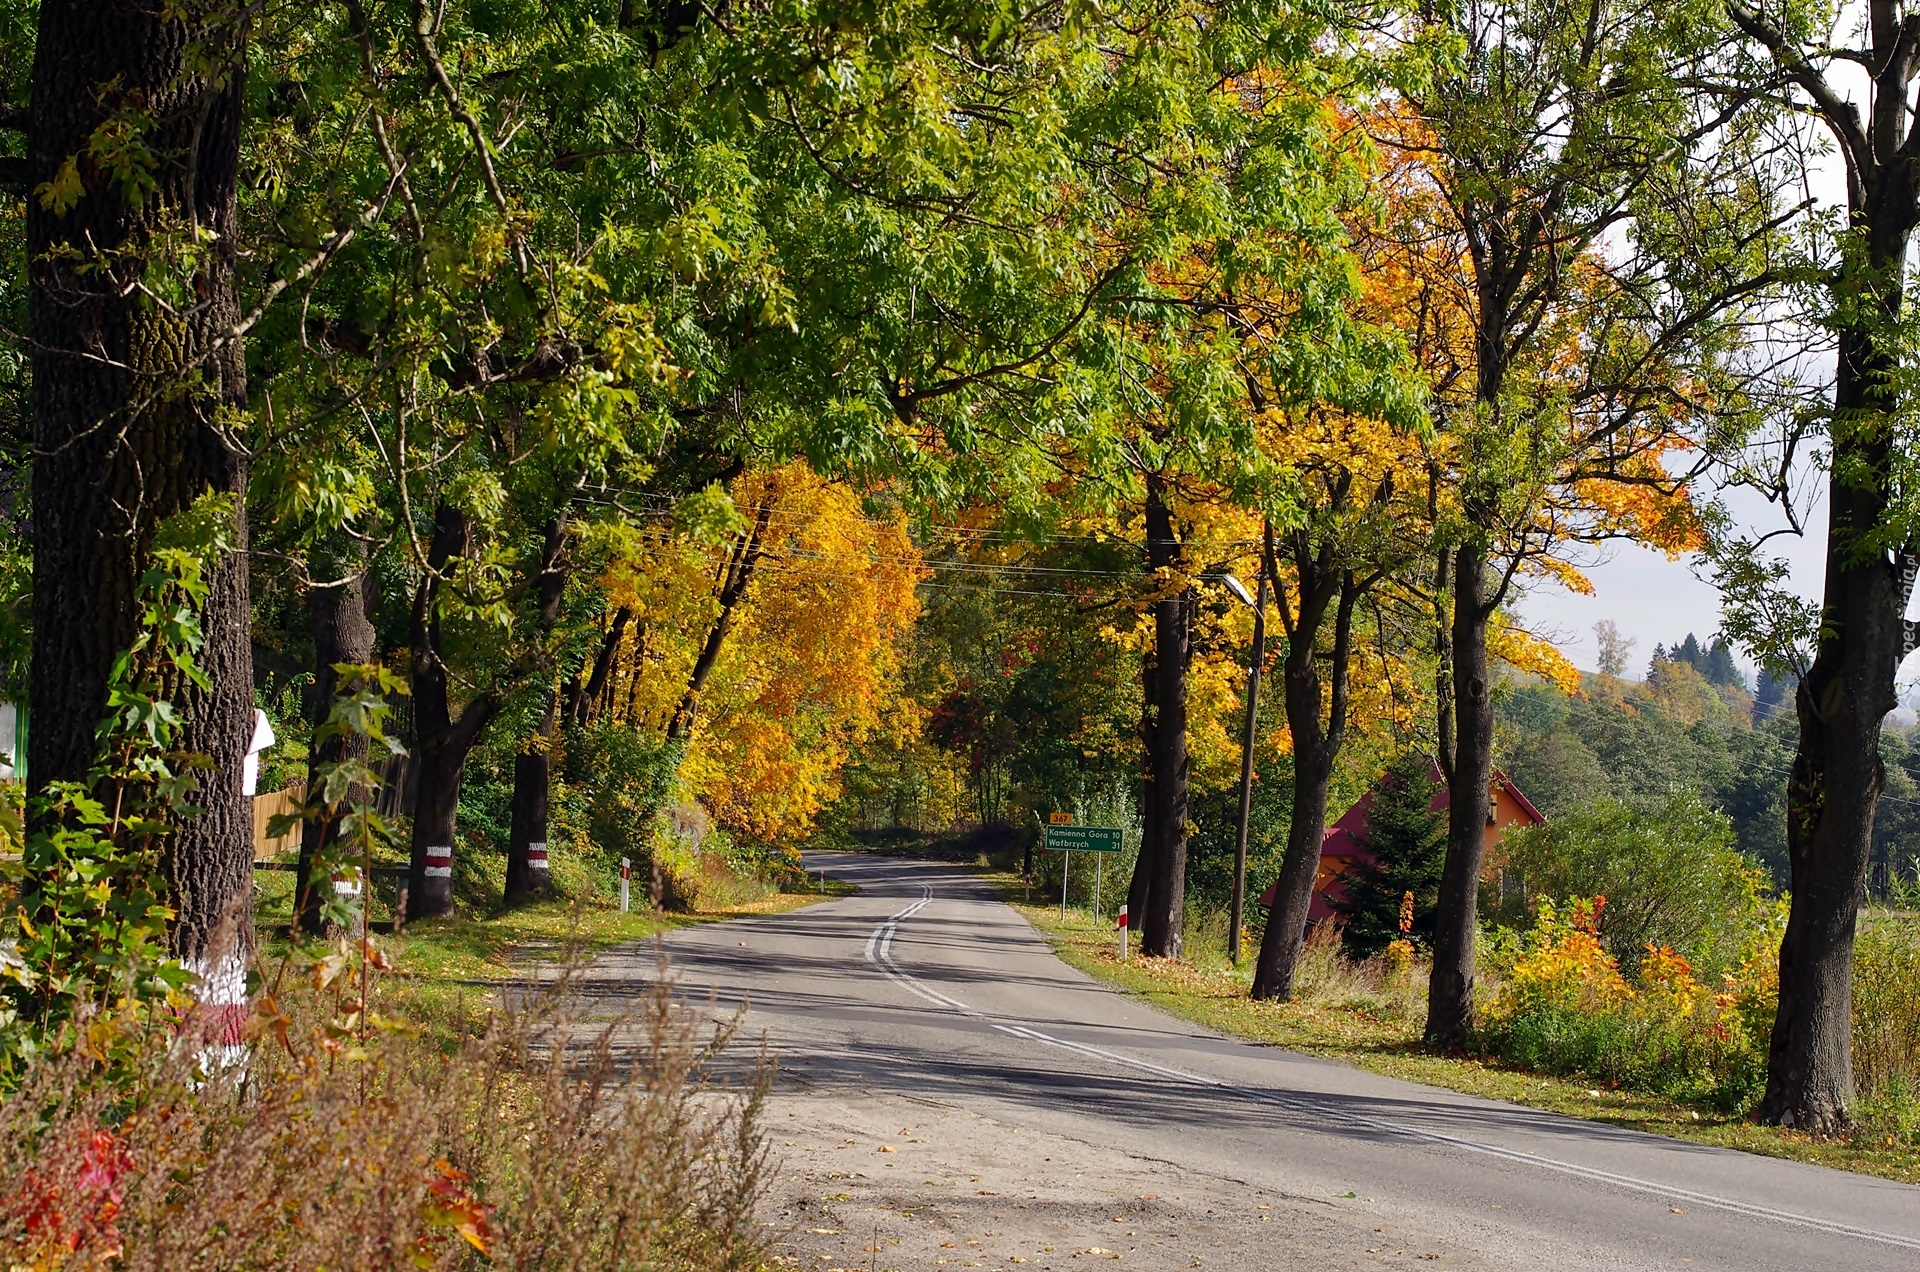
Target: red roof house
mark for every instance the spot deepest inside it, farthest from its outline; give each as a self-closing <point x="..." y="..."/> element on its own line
<point x="1343" y="847"/>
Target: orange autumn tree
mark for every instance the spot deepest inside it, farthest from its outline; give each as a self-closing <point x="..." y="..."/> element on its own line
<point x="766" y="656"/>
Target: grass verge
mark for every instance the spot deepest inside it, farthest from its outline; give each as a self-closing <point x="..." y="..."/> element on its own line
<point x="1210" y="993"/>
<point x="450" y="967"/>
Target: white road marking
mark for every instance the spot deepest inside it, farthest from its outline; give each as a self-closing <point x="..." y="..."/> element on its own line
<point x="880" y="954"/>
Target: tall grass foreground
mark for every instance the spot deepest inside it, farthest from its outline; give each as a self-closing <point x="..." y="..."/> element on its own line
<point x="551" y="1140"/>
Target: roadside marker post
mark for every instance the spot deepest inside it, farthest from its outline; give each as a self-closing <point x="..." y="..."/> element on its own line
<point x="1122" y="925"/>
<point x="626" y="873"/>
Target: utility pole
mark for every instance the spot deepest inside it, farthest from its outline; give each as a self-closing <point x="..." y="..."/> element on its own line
<point x="1246" y="764"/>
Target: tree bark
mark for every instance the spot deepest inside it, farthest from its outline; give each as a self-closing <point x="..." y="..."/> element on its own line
<point x="527" y="872"/>
<point x="127" y="399"/>
<point x="443" y="740"/>
<point x="1167" y="758"/>
<point x="740" y="568"/>
<point x="1323" y="587"/>
<point x="1835" y="783"/>
<point x="342" y="633"/>
<point x="1456" y="915"/>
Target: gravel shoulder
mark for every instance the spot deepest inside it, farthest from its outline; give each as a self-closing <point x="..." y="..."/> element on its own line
<point x="874" y="1181"/>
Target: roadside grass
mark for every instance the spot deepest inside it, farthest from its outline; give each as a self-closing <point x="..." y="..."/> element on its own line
<point x="1367" y="1026"/>
<point x="447" y="970"/>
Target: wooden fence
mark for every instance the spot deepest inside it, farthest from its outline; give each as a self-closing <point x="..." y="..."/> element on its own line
<point x="265" y="809"/>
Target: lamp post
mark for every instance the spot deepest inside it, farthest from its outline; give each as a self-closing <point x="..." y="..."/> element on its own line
<point x="1259" y="605"/>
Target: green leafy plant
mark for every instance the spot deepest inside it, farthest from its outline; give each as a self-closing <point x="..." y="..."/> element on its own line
<point x="89" y="934"/>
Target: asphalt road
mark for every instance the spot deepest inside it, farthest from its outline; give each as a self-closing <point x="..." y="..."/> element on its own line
<point x="925" y="987"/>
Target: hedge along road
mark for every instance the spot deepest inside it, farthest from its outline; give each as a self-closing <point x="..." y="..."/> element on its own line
<point x="925" y="986"/>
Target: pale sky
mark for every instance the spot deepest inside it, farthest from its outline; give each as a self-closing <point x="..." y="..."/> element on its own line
<point x="1654" y="601"/>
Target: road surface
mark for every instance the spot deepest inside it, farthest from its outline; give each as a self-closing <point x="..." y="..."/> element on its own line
<point x="1107" y="1128"/>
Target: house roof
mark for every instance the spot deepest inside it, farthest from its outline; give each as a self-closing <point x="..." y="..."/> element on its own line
<point x="1346" y="837"/>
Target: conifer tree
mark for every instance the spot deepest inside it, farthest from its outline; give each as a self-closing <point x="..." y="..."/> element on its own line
<point x="1407" y="837"/>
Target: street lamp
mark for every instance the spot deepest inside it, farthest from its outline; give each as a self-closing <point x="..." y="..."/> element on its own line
<point x="1259" y="607"/>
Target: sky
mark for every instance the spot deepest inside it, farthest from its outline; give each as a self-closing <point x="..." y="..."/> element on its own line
<point x="1654" y="601"/>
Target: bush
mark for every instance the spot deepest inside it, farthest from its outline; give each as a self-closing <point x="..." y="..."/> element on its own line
<point x="1886" y="1006"/>
<point x="1566" y="1007"/>
<point x="1671" y="877"/>
<point x="352" y="1142"/>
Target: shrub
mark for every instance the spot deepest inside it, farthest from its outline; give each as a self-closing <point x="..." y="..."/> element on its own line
<point x="1566" y="1007"/>
<point x="1671" y="877"/>
<point x="1886" y="1006"/>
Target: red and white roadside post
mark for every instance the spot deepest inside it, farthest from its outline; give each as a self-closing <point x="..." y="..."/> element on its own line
<point x="626" y="873"/>
<point x="1122" y="925"/>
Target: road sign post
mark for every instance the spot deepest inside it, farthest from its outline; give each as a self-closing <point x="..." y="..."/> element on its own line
<point x="1063" y="837"/>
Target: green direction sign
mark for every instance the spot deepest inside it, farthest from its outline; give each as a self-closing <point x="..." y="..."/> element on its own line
<point x="1082" y="839"/>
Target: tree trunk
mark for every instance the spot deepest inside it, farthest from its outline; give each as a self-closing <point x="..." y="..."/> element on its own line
<point x="533" y="765"/>
<point x="127" y="397"/>
<point x="527" y="871"/>
<point x="1316" y="745"/>
<point x="342" y="633"/>
<point x="1244" y="813"/>
<point x="443" y="741"/>
<point x="1456" y="915"/>
<point x="582" y="698"/>
<point x="1167" y="747"/>
<point x="1836" y="779"/>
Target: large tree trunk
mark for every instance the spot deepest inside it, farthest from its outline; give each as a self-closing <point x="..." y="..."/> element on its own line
<point x="127" y="398"/>
<point x="527" y="872"/>
<point x="1316" y="745"/>
<point x="1167" y="744"/>
<point x="342" y="633"/>
<point x="1456" y="916"/>
<point x="1836" y="777"/>
<point x="443" y="741"/>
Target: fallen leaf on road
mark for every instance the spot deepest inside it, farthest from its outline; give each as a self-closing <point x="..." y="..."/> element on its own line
<point x="1675" y="1210"/>
<point x="887" y="1148"/>
<point x="988" y="1192"/>
<point x="825" y="1232"/>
